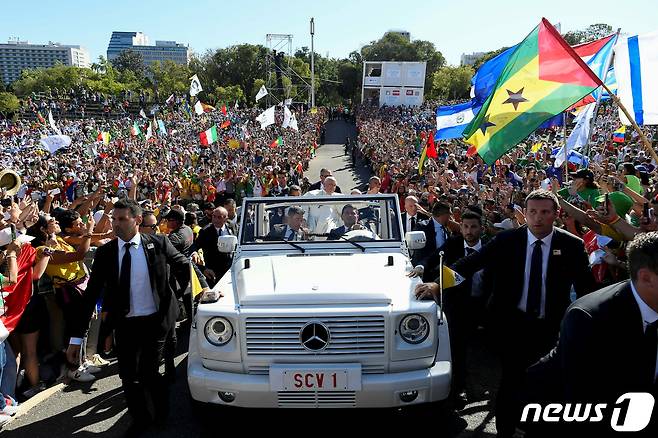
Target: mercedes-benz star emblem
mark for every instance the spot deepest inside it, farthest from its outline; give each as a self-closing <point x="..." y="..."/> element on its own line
<point x="314" y="336"/>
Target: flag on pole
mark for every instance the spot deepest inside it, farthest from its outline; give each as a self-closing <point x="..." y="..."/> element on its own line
<point x="40" y="118"/>
<point x="236" y="105"/>
<point x="261" y="93"/>
<point x="161" y="127"/>
<point x="451" y="278"/>
<point x="277" y="142"/>
<point x="170" y="99"/>
<point x="51" y="121"/>
<point x="286" y="117"/>
<point x="149" y="131"/>
<point x="451" y="120"/>
<point x="195" y="86"/>
<point x="142" y="114"/>
<point x="535" y="147"/>
<point x="636" y="69"/>
<point x="542" y="78"/>
<point x="200" y="107"/>
<point x="224" y="109"/>
<point x="209" y="136"/>
<point x="195" y="284"/>
<point x="104" y="136"/>
<point x="431" y="148"/>
<point x="293" y="123"/>
<point x="580" y="135"/>
<point x="225" y="124"/>
<point x="266" y="118"/>
<point x="53" y="143"/>
<point x="134" y="130"/>
<point x="619" y="136"/>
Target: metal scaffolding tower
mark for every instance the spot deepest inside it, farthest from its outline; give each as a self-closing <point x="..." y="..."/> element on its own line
<point x="278" y="65"/>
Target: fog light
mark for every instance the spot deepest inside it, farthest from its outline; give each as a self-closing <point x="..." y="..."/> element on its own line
<point x="227" y="397"/>
<point x="408" y="396"/>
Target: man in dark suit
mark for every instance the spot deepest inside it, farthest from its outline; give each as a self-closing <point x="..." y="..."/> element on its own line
<point x="608" y="345"/>
<point x="216" y="263"/>
<point x="320" y="184"/>
<point x="531" y="271"/>
<point x="133" y="271"/>
<point x="290" y="231"/>
<point x="462" y="302"/>
<point x="350" y="217"/>
<point x="411" y="217"/>
<point x="436" y="231"/>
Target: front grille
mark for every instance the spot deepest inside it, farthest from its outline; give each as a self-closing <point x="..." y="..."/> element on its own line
<point x="320" y="399"/>
<point x="353" y="335"/>
<point x="264" y="370"/>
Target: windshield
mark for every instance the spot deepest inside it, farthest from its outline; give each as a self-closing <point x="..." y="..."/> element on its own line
<point x="362" y="218"/>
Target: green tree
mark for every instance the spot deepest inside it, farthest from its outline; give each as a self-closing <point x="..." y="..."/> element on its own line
<point x="129" y="60"/>
<point x="8" y="104"/>
<point x="229" y="95"/>
<point x="487" y="56"/>
<point x="591" y="33"/>
<point x="451" y="83"/>
<point x="168" y="77"/>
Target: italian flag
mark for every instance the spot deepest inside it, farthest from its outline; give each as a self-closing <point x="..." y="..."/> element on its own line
<point x="104" y="137"/>
<point x="277" y="142"/>
<point x="134" y="130"/>
<point x="209" y="136"/>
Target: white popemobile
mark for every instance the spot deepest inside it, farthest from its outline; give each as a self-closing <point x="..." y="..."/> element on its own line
<point x="319" y="321"/>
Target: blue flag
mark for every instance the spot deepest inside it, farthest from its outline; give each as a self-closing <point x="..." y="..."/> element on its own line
<point x="451" y="120"/>
<point x="486" y="76"/>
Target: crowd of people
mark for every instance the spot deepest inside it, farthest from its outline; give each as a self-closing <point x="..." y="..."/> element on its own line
<point x="154" y="167"/>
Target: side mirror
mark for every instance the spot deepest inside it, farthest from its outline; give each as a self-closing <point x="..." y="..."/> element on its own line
<point x="227" y="244"/>
<point x="415" y="239"/>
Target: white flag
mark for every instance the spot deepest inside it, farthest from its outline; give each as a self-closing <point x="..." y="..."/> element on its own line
<point x="636" y="69"/>
<point x="55" y="142"/>
<point x="142" y="114"/>
<point x="261" y="93"/>
<point x="293" y="122"/>
<point x="236" y="104"/>
<point x="52" y="123"/>
<point x="286" y="117"/>
<point x="170" y="100"/>
<point x="266" y="118"/>
<point x="288" y="102"/>
<point x="198" y="108"/>
<point x="195" y="86"/>
<point x="580" y="135"/>
<point x="149" y="132"/>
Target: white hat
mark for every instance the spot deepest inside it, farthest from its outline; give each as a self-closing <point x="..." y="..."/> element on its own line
<point x="506" y="224"/>
<point x="5" y="237"/>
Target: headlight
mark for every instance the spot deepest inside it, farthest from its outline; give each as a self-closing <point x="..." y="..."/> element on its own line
<point x="414" y="329"/>
<point x="218" y="331"/>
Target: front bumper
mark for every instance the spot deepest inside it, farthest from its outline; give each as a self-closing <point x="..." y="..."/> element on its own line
<point x="378" y="390"/>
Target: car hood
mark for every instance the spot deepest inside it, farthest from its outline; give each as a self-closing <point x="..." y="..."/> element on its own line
<point x="323" y="279"/>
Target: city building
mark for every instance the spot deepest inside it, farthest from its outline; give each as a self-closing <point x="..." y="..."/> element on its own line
<point x="139" y="42"/>
<point x="470" y="59"/>
<point x="16" y="56"/>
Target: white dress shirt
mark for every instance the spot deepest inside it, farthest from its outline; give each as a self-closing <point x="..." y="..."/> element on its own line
<point x="649" y="316"/>
<point x="141" y="294"/>
<point x="546" y="252"/>
<point x="224" y="231"/>
<point x="441" y="234"/>
<point x="476" y="281"/>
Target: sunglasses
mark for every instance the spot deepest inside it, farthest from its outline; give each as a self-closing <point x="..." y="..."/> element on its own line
<point x="153" y="227"/>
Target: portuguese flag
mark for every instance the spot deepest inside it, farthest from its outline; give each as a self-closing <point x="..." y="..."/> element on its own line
<point x="209" y="136"/>
<point x="277" y="142"/>
<point x="134" y="130"/>
<point x="543" y="77"/>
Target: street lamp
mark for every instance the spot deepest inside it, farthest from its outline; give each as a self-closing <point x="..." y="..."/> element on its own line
<point x="312" y="65"/>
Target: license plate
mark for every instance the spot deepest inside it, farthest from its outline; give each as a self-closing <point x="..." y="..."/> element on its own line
<point x="315" y="379"/>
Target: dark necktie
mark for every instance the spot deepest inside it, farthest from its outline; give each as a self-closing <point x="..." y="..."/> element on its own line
<point x="413" y="224"/>
<point x="533" y="307"/>
<point x="651" y="347"/>
<point x="124" y="276"/>
<point x="291" y="235"/>
<point x="469" y="251"/>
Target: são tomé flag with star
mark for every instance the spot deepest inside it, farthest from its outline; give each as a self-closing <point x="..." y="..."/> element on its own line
<point x="543" y="77"/>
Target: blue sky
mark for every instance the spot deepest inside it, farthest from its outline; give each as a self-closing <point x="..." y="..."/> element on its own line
<point x="341" y="26"/>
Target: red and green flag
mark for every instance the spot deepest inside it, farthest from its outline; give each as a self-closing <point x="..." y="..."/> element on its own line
<point x="209" y="136"/>
<point x="40" y="118"/>
<point x="543" y="77"/>
<point x="134" y="130"/>
<point x="277" y="142"/>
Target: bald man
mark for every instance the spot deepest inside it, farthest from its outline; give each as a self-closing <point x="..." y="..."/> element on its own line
<point x="216" y="263"/>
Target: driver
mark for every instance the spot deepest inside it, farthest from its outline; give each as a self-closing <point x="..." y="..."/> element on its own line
<point x="292" y="230"/>
<point x="350" y="217"/>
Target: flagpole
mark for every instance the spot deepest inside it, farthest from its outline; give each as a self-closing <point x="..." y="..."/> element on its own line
<point x="598" y="99"/>
<point x="566" y="157"/>
<point x="439" y="302"/>
<point x="645" y="140"/>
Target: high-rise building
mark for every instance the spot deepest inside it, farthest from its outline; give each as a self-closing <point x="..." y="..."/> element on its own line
<point x="138" y="42"/>
<point x="470" y="59"/>
<point x="16" y="56"/>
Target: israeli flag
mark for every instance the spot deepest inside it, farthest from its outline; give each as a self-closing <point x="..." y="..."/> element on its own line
<point x="636" y="70"/>
<point x="451" y="120"/>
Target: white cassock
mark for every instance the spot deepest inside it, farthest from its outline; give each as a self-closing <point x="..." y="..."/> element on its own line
<point x="321" y="219"/>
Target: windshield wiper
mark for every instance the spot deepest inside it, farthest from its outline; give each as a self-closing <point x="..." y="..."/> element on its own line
<point x="301" y="248"/>
<point x="361" y="247"/>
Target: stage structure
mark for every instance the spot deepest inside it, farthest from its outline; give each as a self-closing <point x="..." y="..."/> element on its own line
<point x="278" y="66"/>
<point x="393" y="83"/>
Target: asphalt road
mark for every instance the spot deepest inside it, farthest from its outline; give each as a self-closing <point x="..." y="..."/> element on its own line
<point x="98" y="408"/>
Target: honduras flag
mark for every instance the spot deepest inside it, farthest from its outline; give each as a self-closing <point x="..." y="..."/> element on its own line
<point x="636" y="70"/>
<point x="451" y="120"/>
<point x="573" y="157"/>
